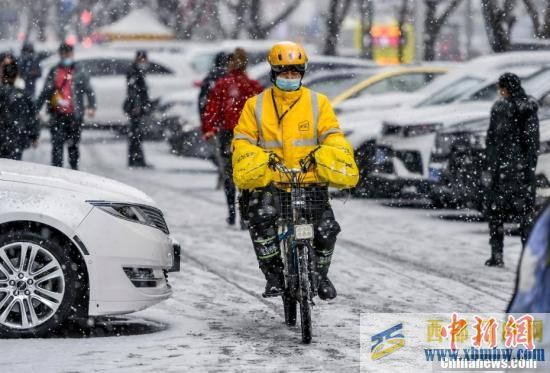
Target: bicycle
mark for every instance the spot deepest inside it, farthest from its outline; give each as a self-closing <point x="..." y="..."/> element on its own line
<point x="299" y="206"/>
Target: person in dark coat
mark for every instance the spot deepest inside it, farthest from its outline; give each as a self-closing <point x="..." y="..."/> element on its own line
<point x="66" y="88"/>
<point x="511" y="154"/>
<point x="219" y="69"/>
<point x="29" y="68"/>
<point x="137" y="106"/>
<point x="19" y="127"/>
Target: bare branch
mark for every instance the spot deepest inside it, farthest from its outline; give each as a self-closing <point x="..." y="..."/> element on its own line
<point x="283" y="15"/>
<point x="401" y="19"/>
<point x="447" y="12"/>
<point x="344" y="11"/>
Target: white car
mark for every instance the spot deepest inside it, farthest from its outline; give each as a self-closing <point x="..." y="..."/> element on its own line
<point x="409" y="137"/>
<point x="362" y="118"/>
<point x="75" y="244"/>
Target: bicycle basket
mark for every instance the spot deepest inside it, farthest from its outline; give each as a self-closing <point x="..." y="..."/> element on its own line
<point x="311" y="201"/>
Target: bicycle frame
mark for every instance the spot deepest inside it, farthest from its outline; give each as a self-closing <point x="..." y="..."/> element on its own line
<point x="296" y="235"/>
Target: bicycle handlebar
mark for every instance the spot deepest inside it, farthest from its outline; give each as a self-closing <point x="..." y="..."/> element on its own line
<point x="293" y="175"/>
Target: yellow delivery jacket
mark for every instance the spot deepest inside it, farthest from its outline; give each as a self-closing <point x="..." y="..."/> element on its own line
<point x="291" y="125"/>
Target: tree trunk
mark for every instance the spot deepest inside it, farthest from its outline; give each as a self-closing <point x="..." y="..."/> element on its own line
<point x="336" y="14"/>
<point x="401" y="20"/>
<point x="195" y="12"/>
<point x="433" y="24"/>
<point x="534" y="15"/>
<point x="257" y="30"/>
<point x="498" y="23"/>
<point x="546" y="26"/>
<point x="239" y="10"/>
<point x="366" y="12"/>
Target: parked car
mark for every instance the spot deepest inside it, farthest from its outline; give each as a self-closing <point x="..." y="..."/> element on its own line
<point x="401" y="156"/>
<point x="364" y="120"/>
<point x="403" y="79"/>
<point x="332" y="83"/>
<point x="76" y="245"/>
<point x="406" y="143"/>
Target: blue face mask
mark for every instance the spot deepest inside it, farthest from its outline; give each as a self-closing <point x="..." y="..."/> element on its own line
<point x="288" y="84"/>
<point x="67" y="61"/>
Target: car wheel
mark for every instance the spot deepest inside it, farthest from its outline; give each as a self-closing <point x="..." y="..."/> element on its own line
<point x="38" y="284"/>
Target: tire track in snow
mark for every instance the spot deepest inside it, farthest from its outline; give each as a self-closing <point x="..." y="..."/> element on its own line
<point x="360" y="248"/>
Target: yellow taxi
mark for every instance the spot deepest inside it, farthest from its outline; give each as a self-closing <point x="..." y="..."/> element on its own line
<point x="396" y="79"/>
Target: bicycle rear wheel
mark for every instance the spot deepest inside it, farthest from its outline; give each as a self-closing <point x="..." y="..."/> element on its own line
<point x="304" y="294"/>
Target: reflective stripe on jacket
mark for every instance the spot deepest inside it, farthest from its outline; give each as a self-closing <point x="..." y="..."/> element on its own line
<point x="302" y="120"/>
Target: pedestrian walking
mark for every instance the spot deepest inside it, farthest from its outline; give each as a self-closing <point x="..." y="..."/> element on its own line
<point x="29" y="68"/>
<point x="138" y="107"/>
<point x="223" y="109"/>
<point x="19" y="128"/>
<point x="218" y="69"/>
<point x="66" y="88"/>
<point x="511" y="154"/>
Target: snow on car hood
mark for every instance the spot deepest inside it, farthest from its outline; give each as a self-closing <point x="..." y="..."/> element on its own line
<point x="442" y="114"/>
<point x="375" y="102"/>
<point x="88" y="186"/>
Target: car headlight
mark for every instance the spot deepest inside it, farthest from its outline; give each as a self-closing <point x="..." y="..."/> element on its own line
<point x="121" y="210"/>
<point x="136" y="213"/>
<point x="421" y="129"/>
<point x="391" y="129"/>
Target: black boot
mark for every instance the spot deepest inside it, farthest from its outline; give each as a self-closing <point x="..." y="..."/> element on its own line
<point x="326" y="288"/>
<point x="496" y="260"/>
<point x="273" y="272"/>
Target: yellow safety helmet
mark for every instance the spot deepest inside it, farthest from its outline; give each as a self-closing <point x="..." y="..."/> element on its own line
<point x="287" y="54"/>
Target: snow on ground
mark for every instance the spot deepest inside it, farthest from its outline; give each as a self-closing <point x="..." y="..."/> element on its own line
<point x="387" y="259"/>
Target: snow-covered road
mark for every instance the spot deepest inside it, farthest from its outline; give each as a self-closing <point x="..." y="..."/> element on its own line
<point x="387" y="259"/>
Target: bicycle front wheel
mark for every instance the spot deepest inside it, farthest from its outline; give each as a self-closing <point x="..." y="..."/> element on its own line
<point x="304" y="294"/>
<point x="289" y="303"/>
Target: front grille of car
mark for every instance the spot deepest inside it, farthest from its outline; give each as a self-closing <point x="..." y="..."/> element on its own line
<point x="382" y="159"/>
<point x="391" y="130"/>
<point x="411" y="159"/>
<point x="156" y="218"/>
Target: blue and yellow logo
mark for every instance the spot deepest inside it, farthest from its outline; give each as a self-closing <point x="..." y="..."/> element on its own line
<point x="387" y="342"/>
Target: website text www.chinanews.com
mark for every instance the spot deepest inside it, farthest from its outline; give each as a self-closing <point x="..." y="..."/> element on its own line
<point x="454" y="342"/>
<point x="484" y="359"/>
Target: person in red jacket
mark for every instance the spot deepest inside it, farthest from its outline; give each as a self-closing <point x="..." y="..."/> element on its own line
<point x="223" y="109"/>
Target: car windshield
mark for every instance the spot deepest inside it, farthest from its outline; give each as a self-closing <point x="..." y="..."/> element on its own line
<point x="451" y="92"/>
<point x="406" y="82"/>
<point x="534" y="83"/>
<point x="333" y="86"/>
<point x="201" y="63"/>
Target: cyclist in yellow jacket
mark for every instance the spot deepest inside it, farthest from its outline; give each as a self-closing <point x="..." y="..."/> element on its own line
<point x="289" y="122"/>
